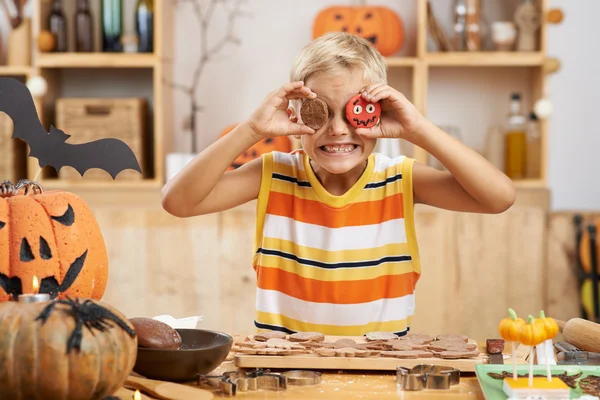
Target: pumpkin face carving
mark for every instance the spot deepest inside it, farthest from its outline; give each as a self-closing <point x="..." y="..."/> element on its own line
<point x="379" y="25"/>
<point x="54" y="236"/>
<point x="280" y="143"/>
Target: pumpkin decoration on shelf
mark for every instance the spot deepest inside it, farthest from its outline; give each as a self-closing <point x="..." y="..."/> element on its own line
<point x="378" y="24"/>
<point x="279" y="143"/>
<point x="52" y="235"/>
<point x="64" y="349"/>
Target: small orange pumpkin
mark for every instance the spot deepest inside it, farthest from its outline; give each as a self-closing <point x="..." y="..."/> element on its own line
<point x="378" y="24"/>
<point x="548" y="324"/>
<point x="54" y="236"/>
<point x="531" y="333"/>
<point x="279" y="143"/>
<point x="509" y="327"/>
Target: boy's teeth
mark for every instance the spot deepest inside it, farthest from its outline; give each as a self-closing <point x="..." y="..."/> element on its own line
<point x="339" y="149"/>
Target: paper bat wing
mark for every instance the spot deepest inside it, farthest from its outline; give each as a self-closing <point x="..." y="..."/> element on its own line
<point x="51" y="149"/>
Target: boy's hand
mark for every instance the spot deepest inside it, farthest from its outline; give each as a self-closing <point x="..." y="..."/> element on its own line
<point x="399" y="117"/>
<point x="271" y="118"/>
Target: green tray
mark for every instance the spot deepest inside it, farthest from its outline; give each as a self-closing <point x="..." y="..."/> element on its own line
<point x="492" y="388"/>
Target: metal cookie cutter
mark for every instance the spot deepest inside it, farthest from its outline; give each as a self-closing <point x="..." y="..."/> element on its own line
<point x="302" y="378"/>
<point x="233" y="381"/>
<point x="425" y="376"/>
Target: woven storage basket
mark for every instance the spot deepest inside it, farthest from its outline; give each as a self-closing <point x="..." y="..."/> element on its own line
<point x="89" y="119"/>
<point x="13" y="158"/>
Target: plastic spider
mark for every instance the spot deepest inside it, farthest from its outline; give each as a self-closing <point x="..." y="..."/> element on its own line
<point x="88" y="313"/>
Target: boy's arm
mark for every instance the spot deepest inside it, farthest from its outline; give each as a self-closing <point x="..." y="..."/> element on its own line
<point x="471" y="184"/>
<point x="204" y="187"/>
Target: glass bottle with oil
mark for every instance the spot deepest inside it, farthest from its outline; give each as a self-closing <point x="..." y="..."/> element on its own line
<point x="516" y="140"/>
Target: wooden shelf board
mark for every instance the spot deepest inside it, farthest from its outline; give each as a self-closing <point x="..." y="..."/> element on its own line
<point x="52" y="184"/>
<point x="12" y="70"/>
<point x="96" y="60"/>
<point x="485" y="58"/>
<point x="401" y="61"/>
<point x="529" y="183"/>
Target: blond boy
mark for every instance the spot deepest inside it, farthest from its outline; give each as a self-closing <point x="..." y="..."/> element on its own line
<point x="336" y="248"/>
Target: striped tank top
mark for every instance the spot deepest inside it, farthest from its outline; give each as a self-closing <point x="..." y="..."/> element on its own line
<point x="339" y="265"/>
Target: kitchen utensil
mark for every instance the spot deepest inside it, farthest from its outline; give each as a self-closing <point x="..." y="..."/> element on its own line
<point x="581" y="333"/>
<point x="569" y="354"/>
<point x="167" y="390"/>
<point x="201" y="352"/>
<point x="233" y="381"/>
<point x="302" y="378"/>
<point x="425" y="376"/>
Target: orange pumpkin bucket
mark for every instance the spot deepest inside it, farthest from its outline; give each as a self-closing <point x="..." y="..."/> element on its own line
<point x="378" y="24"/>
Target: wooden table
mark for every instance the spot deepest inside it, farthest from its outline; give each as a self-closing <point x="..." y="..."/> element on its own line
<point x="348" y="386"/>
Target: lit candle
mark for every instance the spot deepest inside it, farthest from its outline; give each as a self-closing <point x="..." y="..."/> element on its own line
<point x="35" y="297"/>
<point x="137" y="395"/>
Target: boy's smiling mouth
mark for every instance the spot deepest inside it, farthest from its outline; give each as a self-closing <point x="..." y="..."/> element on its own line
<point x="338" y="148"/>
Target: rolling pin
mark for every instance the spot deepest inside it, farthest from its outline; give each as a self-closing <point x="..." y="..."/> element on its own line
<point x="581" y="333"/>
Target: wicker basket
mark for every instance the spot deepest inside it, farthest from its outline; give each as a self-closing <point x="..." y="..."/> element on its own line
<point x="89" y="119"/>
<point x="13" y="162"/>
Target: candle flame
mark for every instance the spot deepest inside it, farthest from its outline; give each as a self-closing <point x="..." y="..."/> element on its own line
<point x="35" y="284"/>
<point x="137" y="395"/>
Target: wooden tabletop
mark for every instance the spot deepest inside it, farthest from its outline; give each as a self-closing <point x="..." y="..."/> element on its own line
<point x="348" y="385"/>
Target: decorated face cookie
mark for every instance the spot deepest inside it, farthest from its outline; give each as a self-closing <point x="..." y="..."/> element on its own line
<point x="362" y="113"/>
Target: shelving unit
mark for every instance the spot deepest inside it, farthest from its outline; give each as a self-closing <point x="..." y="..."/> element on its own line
<point x="425" y="63"/>
<point x="422" y="66"/>
<point x="60" y="69"/>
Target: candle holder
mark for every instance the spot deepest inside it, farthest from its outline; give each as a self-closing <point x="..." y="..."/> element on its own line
<point x="33" y="298"/>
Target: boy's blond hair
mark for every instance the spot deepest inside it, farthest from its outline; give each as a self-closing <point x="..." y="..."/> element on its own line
<point x="339" y="50"/>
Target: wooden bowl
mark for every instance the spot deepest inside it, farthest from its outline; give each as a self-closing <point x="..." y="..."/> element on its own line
<point x="201" y="352"/>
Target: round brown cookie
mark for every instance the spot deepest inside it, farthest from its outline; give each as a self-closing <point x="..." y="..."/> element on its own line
<point x="458" y="354"/>
<point x="421" y="337"/>
<point x="307" y="337"/>
<point x="341" y="343"/>
<point x="264" y="336"/>
<point x="453" y="336"/>
<point x="374" y="336"/>
<point x="314" y="113"/>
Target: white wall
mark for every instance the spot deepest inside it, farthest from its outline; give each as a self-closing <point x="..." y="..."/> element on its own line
<point x="574" y="132"/>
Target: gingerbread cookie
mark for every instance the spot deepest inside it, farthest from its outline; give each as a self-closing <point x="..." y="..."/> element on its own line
<point x="362" y="113"/>
<point x="314" y="113"/>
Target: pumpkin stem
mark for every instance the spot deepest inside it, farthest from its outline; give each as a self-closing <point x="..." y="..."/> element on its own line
<point x="542" y="315"/>
<point x="29" y="185"/>
<point x="512" y="314"/>
<point x="530" y="319"/>
<point x="7" y="189"/>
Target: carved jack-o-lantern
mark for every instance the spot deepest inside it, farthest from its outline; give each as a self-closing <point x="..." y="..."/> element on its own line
<point x="54" y="236"/>
<point x="280" y="143"/>
<point x="378" y="24"/>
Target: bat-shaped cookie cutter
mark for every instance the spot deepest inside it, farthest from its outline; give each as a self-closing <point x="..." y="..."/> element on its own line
<point x="233" y="381"/>
<point x="426" y="376"/>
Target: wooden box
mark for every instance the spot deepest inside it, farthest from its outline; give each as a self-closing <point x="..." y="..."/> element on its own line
<point x="13" y="161"/>
<point x="89" y="119"/>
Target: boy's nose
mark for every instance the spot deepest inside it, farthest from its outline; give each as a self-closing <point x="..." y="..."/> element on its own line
<point x="338" y="127"/>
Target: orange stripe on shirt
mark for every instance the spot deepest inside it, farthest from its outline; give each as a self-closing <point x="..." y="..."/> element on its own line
<point x="356" y="214"/>
<point x="338" y="292"/>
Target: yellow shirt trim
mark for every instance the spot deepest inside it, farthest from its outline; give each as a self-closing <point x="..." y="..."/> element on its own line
<point x="345" y="199"/>
<point x="409" y="212"/>
<point x="263" y="198"/>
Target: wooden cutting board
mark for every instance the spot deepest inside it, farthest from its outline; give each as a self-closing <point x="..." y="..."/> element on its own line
<point x="316" y="362"/>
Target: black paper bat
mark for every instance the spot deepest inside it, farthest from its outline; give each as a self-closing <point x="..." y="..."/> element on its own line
<point x="110" y="155"/>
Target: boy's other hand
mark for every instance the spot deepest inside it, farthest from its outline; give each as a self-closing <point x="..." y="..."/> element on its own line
<point x="271" y="118"/>
<point x="399" y="117"/>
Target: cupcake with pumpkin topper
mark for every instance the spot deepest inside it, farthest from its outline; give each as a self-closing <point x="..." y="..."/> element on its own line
<point x="532" y="334"/>
<point x="550" y="328"/>
<point x="509" y="329"/>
